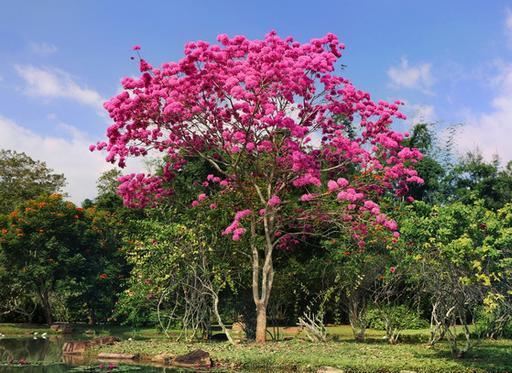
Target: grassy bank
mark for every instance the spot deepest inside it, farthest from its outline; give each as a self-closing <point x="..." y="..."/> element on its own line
<point x="299" y="355"/>
<point x="82" y="330"/>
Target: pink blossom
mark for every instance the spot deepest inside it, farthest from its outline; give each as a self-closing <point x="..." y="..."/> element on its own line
<point x="213" y="206"/>
<point x="342" y="182"/>
<point x="274" y="201"/>
<point x="332" y="185"/>
<point x="201" y="197"/>
<point x="307" y="197"/>
<point x="242" y="214"/>
<point x="136" y="47"/>
<point x="391" y="225"/>
<point x="195" y="203"/>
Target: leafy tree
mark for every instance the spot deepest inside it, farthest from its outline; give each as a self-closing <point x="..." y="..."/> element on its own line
<point x="250" y="109"/>
<point x="104" y="276"/>
<point x="178" y="274"/>
<point x="473" y="178"/>
<point x="41" y="245"/>
<point x="22" y="178"/>
<point x="460" y="257"/>
<point x="60" y="254"/>
<point x="431" y="168"/>
<point x="107" y="185"/>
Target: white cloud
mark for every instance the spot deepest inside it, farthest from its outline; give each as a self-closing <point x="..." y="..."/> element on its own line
<point x="413" y="77"/>
<point x="42" y="49"/>
<point x="422" y="113"/>
<point x="54" y="83"/>
<point x="68" y="156"/>
<point x="490" y="132"/>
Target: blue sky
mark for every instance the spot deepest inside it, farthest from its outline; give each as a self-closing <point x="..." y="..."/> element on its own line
<point x="451" y="61"/>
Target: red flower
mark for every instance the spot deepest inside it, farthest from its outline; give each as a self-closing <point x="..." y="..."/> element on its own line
<point x="103" y="276"/>
<point x="392" y="269"/>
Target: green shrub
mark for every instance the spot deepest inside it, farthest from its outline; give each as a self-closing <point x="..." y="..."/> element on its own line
<point x="496" y="324"/>
<point x="400" y="317"/>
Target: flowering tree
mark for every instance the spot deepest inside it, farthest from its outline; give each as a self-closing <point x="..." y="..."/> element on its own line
<point x="295" y="148"/>
<point x="40" y="245"/>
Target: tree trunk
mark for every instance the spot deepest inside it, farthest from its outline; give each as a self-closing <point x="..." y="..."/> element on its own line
<point x="261" y="323"/>
<point x="355" y="315"/>
<point x="92" y="317"/>
<point x="262" y="286"/>
<point x="261" y="291"/>
<point x="219" y="319"/>
<point x="45" y="303"/>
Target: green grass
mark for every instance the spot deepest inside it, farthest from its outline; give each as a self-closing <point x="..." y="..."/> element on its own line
<point x="24" y="329"/>
<point x="300" y="355"/>
<point x="79" y="330"/>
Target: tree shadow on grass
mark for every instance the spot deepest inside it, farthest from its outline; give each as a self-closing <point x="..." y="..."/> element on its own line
<point x="407" y="339"/>
<point x="490" y="358"/>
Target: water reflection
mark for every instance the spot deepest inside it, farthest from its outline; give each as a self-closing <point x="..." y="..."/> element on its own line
<point x="45" y="356"/>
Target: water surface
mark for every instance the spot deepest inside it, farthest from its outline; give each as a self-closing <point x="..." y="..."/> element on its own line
<point x="39" y="355"/>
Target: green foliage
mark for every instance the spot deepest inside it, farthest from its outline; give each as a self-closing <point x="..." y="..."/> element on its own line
<point x="400" y="317"/>
<point x="171" y="262"/>
<point x="473" y="179"/>
<point x="430" y="168"/>
<point x="64" y="258"/>
<point x="466" y="249"/>
<point x="22" y="178"/>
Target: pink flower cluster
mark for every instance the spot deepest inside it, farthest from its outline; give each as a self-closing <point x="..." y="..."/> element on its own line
<point x="274" y="201"/>
<point x="234" y="228"/>
<point x="139" y="190"/>
<point x="252" y="107"/>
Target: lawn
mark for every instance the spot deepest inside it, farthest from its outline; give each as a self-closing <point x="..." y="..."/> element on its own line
<point x="305" y="356"/>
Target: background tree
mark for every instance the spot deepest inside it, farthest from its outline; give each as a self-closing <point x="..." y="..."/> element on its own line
<point x="22" y="178"/>
<point x="473" y="178"/>
<point x="62" y="258"/>
<point x="460" y="258"/>
<point x="430" y="168"/>
<point x="41" y="246"/>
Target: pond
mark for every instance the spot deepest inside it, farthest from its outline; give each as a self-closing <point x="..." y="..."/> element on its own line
<point x="38" y="355"/>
